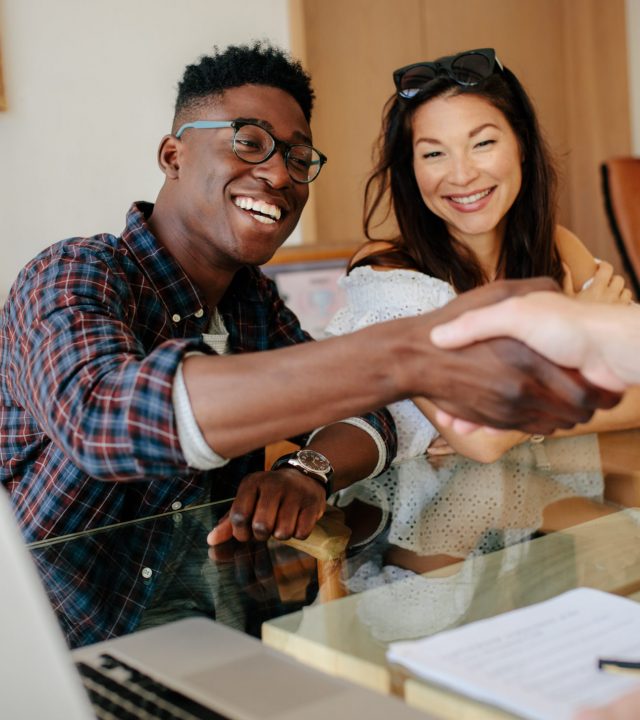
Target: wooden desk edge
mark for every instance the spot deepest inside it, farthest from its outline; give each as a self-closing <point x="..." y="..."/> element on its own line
<point x="449" y="705"/>
<point x="371" y="676"/>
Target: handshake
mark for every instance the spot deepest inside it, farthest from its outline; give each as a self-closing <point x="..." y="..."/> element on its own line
<point x="529" y="358"/>
<point x="514" y="355"/>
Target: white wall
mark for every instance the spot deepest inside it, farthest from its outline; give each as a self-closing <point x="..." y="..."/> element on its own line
<point x="90" y="88"/>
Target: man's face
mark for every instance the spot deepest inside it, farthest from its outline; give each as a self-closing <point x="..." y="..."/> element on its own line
<point x="234" y="213"/>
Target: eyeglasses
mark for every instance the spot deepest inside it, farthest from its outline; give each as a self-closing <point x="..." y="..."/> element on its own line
<point x="467" y="68"/>
<point x="253" y="144"/>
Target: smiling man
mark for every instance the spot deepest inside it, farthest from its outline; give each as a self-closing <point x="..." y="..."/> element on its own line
<point x="146" y="372"/>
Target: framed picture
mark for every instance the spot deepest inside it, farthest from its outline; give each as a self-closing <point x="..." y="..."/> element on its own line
<point x="311" y="290"/>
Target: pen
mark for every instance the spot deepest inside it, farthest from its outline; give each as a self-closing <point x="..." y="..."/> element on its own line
<point x="619" y="666"/>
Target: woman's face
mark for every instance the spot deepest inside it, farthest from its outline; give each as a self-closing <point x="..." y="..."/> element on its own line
<point x="467" y="163"/>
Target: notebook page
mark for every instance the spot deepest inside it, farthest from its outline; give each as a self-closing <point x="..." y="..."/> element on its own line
<point x="539" y="662"/>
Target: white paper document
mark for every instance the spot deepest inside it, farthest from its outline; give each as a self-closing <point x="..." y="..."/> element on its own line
<point x="538" y="662"/>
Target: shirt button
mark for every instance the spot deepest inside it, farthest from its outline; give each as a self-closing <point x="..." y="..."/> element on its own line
<point x="147" y="572"/>
<point x="176" y="505"/>
<point x="176" y="318"/>
<point x="199" y="313"/>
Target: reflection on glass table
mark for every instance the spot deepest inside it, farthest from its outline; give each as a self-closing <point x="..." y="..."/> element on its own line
<point x="436" y="547"/>
<point x="110" y="582"/>
<point x="422" y="548"/>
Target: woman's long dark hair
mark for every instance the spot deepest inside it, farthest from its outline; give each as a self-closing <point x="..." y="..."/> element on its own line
<point x="424" y="243"/>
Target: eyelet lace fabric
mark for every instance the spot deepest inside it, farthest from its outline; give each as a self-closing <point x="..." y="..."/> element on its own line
<point x="377" y="296"/>
<point x="461" y="509"/>
<point x="452" y="508"/>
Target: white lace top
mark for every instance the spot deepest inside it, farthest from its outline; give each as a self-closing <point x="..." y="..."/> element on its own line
<point x="374" y="296"/>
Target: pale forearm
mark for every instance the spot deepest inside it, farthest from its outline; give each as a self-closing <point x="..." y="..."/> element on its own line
<point x="614" y="336"/>
<point x="601" y="341"/>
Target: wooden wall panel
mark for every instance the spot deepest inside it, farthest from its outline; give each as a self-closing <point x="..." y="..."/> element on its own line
<point x="599" y="125"/>
<point x="569" y="54"/>
<point x="3" y="98"/>
<point x="352" y="46"/>
<point x="529" y="40"/>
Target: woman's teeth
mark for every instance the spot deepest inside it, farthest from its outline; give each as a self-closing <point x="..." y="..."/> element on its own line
<point x="468" y="199"/>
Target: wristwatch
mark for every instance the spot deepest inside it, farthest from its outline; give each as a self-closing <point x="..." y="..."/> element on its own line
<point x="311" y="463"/>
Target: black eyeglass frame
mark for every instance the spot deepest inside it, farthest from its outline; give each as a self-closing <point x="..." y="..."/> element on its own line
<point x="284" y="146"/>
<point x="445" y="66"/>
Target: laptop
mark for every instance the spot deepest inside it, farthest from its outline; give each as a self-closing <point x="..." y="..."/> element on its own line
<point x="190" y="668"/>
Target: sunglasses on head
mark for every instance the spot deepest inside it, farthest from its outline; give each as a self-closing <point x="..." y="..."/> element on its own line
<point x="467" y="68"/>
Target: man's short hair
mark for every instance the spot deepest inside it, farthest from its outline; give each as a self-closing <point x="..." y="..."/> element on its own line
<point x="257" y="64"/>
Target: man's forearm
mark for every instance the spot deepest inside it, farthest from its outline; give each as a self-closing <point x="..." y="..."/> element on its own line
<point x="242" y="402"/>
<point x="246" y="401"/>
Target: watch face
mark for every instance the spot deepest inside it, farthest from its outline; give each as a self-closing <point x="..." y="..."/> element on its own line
<point x="314" y="461"/>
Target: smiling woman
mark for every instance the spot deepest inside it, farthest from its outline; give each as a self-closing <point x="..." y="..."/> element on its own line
<point x="472" y="186"/>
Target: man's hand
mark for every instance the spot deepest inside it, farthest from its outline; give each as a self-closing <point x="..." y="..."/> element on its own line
<point x="502" y="383"/>
<point x="265" y="572"/>
<point x="283" y="503"/>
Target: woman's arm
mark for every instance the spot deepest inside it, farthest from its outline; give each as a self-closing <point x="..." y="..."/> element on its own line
<point x="487" y="447"/>
<point x="580" y="265"/>
<point x="624" y="416"/>
<point x="588" y="279"/>
<point x="609" y="288"/>
<point x="481" y="446"/>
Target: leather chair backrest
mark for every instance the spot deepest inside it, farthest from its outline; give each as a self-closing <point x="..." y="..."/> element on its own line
<point x="621" y="189"/>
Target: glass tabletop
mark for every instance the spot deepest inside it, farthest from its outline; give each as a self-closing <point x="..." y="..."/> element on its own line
<point x="436" y="546"/>
<point x="112" y="581"/>
<point x="424" y="547"/>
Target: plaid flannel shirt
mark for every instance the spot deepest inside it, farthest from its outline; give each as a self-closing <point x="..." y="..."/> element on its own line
<point x="90" y="338"/>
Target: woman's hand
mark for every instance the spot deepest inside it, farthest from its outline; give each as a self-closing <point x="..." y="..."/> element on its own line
<point x="604" y="287"/>
<point x="438" y="447"/>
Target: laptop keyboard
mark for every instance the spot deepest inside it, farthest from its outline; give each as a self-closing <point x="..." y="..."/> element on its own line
<point x="119" y="692"/>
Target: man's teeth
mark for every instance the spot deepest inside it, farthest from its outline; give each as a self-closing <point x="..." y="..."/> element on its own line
<point x="268" y="213"/>
<point x="468" y="199"/>
<point x="264" y="219"/>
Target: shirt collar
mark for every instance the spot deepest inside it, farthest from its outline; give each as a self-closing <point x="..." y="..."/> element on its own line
<point x="177" y="292"/>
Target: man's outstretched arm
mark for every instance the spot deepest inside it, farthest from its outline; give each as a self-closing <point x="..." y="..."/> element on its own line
<point x="267" y="396"/>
